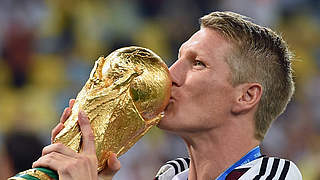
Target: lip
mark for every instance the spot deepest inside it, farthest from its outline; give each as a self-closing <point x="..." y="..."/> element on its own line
<point x="171" y="99"/>
<point x="169" y="102"/>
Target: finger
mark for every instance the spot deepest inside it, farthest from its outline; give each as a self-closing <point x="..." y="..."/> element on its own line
<point x="113" y="163"/>
<point x="52" y="161"/>
<point x="71" y="103"/>
<point x="66" y="113"/>
<point x="113" y="166"/>
<point x="59" y="148"/>
<point x="56" y="130"/>
<point x="87" y="133"/>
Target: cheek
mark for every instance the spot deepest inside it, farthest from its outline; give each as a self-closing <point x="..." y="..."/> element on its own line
<point x="212" y="97"/>
<point x="202" y="90"/>
<point x="198" y="97"/>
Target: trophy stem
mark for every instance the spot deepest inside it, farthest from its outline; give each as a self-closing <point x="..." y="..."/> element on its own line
<point x="36" y="174"/>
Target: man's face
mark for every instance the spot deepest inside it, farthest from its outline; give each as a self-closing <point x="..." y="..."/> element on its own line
<point x="201" y="95"/>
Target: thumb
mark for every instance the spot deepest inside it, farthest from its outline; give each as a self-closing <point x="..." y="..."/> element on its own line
<point x="113" y="163"/>
<point x="113" y="166"/>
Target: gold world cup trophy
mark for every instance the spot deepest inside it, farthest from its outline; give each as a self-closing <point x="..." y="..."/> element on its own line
<point x="123" y="98"/>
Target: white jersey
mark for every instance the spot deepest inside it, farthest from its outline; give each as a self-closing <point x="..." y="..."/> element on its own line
<point x="263" y="168"/>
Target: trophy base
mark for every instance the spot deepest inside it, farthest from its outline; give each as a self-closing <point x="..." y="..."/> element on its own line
<point x="36" y="174"/>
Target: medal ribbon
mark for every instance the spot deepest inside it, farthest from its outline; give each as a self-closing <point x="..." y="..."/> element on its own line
<point x="250" y="156"/>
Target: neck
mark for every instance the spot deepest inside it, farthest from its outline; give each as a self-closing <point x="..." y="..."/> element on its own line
<point x="212" y="152"/>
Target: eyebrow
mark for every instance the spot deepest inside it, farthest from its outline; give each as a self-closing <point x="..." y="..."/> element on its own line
<point x="189" y="52"/>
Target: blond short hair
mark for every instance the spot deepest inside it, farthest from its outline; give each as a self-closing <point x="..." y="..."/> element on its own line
<point x="261" y="56"/>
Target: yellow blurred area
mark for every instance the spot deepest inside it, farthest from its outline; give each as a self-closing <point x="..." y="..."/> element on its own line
<point x="48" y="72"/>
<point x="27" y="109"/>
<point x="151" y="35"/>
<point x="5" y="76"/>
<point x="302" y="35"/>
<point x="31" y="107"/>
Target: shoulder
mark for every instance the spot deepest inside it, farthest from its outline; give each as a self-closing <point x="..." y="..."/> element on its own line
<point x="271" y="168"/>
<point x="264" y="168"/>
<point x="172" y="168"/>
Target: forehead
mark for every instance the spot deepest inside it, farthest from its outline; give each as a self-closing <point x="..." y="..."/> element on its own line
<point x="207" y="42"/>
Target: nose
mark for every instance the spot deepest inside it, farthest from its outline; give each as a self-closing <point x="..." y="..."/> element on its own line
<point x="177" y="73"/>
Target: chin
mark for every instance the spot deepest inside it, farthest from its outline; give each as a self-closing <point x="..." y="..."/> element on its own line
<point x="170" y="121"/>
<point x="163" y="123"/>
<point x="168" y="124"/>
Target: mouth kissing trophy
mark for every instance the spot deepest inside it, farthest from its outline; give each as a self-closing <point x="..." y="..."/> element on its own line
<point x="123" y="98"/>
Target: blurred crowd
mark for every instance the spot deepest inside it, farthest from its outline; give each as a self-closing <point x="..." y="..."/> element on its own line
<point x="48" y="47"/>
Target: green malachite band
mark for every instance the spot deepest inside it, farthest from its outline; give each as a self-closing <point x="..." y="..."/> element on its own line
<point x="26" y="176"/>
<point x="49" y="172"/>
<point x="36" y="174"/>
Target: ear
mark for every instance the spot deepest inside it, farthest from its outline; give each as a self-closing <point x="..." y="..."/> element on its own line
<point x="247" y="98"/>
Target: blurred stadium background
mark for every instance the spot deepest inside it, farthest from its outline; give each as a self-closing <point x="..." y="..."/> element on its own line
<point x="48" y="47"/>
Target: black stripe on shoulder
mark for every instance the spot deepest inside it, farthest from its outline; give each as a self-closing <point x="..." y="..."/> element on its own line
<point x="182" y="168"/>
<point x="174" y="166"/>
<point x="274" y="169"/>
<point x="285" y="170"/>
<point x="187" y="160"/>
<point x="263" y="168"/>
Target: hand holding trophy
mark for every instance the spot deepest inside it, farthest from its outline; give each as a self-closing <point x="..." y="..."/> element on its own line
<point x="123" y="99"/>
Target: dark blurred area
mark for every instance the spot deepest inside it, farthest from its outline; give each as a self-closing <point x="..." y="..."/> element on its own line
<point x="48" y="48"/>
<point x="20" y="149"/>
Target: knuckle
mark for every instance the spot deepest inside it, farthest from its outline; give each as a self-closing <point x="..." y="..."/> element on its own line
<point x="64" y="111"/>
<point x="87" y="160"/>
<point x="65" y="169"/>
<point x="72" y="165"/>
<point x="91" y="136"/>
<point x="45" y="160"/>
<point x="93" y="159"/>
<point x="51" y="155"/>
<point x="53" y="132"/>
<point x="58" y="146"/>
<point x="83" y="159"/>
<point x="69" y="166"/>
<point x="44" y="150"/>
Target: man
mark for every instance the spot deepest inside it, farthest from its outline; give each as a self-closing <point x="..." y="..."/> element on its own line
<point x="231" y="80"/>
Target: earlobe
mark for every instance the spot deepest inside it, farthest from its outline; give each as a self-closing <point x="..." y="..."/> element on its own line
<point x="248" y="97"/>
